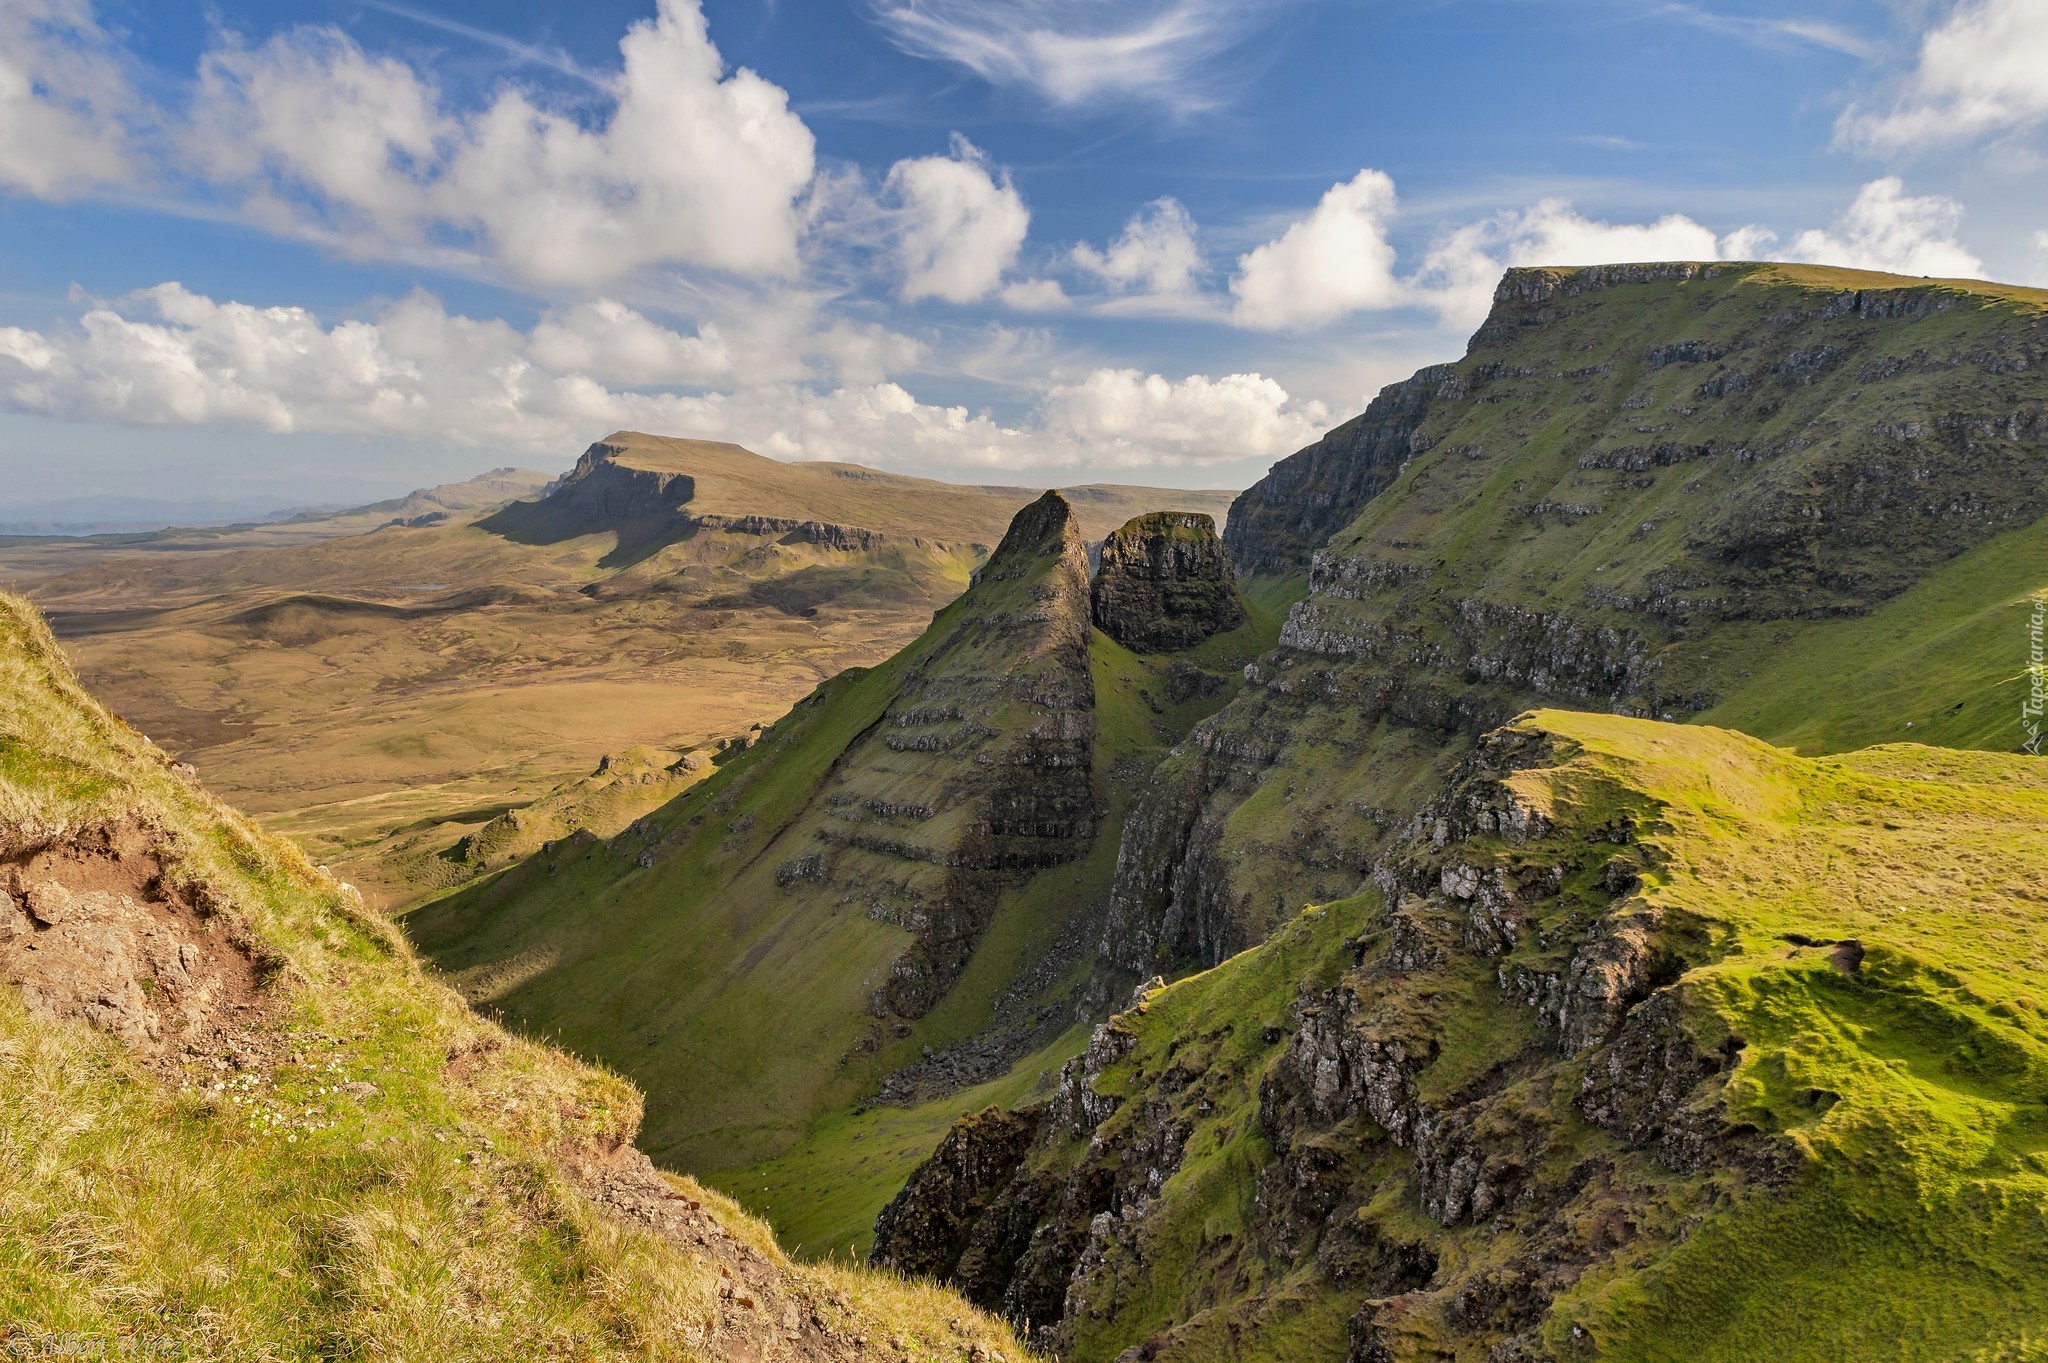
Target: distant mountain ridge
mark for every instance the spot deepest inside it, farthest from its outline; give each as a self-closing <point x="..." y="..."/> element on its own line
<point x="652" y="490"/>
<point x="74" y="516"/>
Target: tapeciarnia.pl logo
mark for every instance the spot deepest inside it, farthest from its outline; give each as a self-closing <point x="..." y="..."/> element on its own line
<point x="2037" y="678"/>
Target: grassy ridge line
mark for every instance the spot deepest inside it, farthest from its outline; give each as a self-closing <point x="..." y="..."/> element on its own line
<point x="427" y="1219"/>
<point x="1916" y="1087"/>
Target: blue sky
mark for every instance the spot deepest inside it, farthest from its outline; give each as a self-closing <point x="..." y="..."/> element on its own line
<point x="340" y="248"/>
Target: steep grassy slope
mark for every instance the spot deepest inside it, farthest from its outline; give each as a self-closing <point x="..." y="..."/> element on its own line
<point x="1607" y="1023"/>
<point x="1663" y="490"/>
<point x="822" y="1193"/>
<point x="1653" y="1042"/>
<point x="905" y="873"/>
<point x="236" y="1121"/>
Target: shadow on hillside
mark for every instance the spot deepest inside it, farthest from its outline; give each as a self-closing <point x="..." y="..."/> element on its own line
<point x="638" y="538"/>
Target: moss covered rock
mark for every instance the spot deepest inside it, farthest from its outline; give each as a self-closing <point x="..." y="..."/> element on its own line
<point x="1165" y="583"/>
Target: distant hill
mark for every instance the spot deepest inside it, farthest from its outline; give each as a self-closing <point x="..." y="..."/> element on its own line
<point x="387" y="680"/>
<point x="252" y="522"/>
<point x="651" y="490"/>
<point x="71" y="516"/>
<point x="485" y="492"/>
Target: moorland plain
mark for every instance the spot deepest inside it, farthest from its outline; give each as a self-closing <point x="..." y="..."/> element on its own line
<point x="381" y="682"/>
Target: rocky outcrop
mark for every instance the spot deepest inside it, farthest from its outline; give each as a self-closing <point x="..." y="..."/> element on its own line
<point x="926" y="1228"/>
<point x="1165" y="584"/>
<point x="601" y="493"/>
<point x="103" y="925"/>
<point x="1280" y="521"/>
<point x="1004" y="707"/>
<point x="978" y="773"/>
<point x="1357" y="1120"/>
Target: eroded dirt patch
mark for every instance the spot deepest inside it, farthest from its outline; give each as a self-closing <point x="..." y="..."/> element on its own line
<point x="96" y="925"/>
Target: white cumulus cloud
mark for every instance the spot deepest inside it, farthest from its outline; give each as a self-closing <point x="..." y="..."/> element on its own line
<point x="1889" y="229"/>
<point x="1154" y="254"/>
<point x="1459" y="271"/>
<point x="1202" y="420"/>
<point x="690" y="165"/>
<point x="1337" y="260"/>
<point x="63" y="96"/>
<point x="1982" y="71"/>
<point x="169" y="357"/>
<point x="962" y="224"/>
<point x="608" y="340"/>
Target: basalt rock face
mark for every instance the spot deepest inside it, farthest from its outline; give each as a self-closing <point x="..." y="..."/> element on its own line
<point x="980" y="772"/>
<point x="1281" y="520"/>
<point x="929" y="1226"/>
<point x="601" y="493"/>
<point x="1165" y="584"/>
<point x="977" y="774"/>
<point x="1635" y="475"/>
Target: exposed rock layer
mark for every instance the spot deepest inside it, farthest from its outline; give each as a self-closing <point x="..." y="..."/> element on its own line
<point x="1278" y="523"/>
<point x="1070" y="1194"/>
<point x="1165" y="584"/>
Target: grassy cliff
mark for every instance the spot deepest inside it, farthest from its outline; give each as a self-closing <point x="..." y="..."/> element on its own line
<point x="1806" y="502"/>
<point x="1613" y="1037"/>
<point x="1654" y="1042"/>
<point x="237" y="1121"/>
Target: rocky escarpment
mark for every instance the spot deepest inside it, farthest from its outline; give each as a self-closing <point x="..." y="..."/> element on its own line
<point x="608" y="492"/>
<point x="1165" y="584"/>
<point x="980" y="771"/>
<point x="1511" y="1049"/>
<point x="1635" y="477"/>
<point x="1280" y="521"/>
<point x="601" y="493"/>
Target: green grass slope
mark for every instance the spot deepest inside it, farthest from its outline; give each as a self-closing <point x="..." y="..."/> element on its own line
<point x="754" y="896"/>
<point x="343" y="1160"/>
<point x="1757" y="1068"/>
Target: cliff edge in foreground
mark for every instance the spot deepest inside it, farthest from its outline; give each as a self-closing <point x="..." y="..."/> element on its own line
<point x="237" y="1122"/>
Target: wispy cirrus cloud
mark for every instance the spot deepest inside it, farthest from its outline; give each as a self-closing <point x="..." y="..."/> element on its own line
<point x="1081" y="52"/>
<point x="1777" y="30"/>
